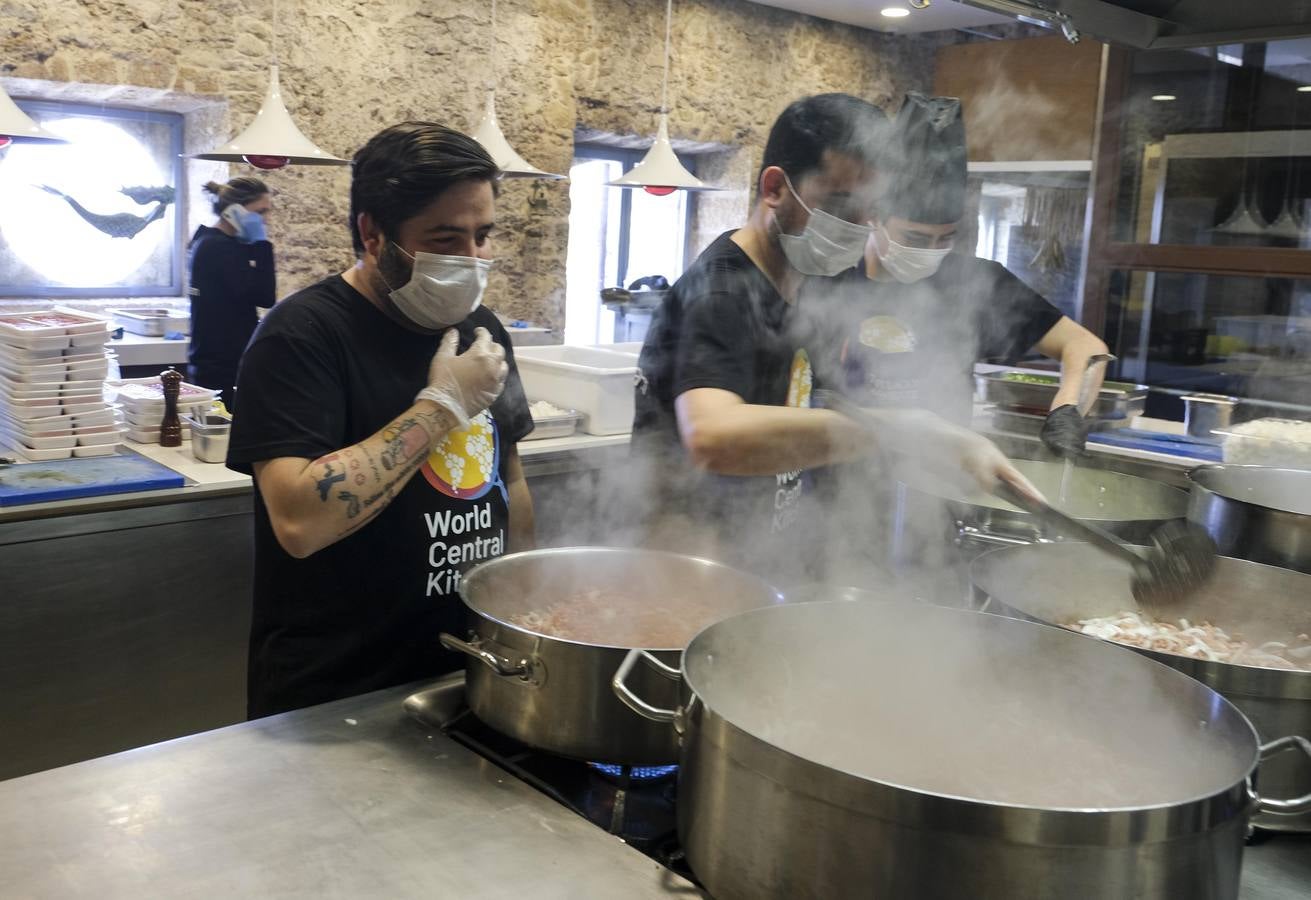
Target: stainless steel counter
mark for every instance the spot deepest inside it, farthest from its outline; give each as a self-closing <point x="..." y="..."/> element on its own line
<point x="351" y="799"/>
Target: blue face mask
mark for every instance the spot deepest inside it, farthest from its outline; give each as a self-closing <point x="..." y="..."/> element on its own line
<point x="249" y="226"/>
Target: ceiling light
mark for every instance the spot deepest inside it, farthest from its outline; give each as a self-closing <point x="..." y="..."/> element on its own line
<point x="272" y="140"/>
<point x="895" y="12"/>
<point x="488" y="131"/>
<point x="17" y="126"/>
<point x="660" y="173"/>
<point x="1164" y="97"/>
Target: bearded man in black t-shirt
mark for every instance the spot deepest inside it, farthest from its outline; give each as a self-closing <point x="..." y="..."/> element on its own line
<point x="725" y="427"/>
<point x="380" y="412"/>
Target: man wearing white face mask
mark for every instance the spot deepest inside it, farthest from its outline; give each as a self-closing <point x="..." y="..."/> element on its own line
<point x="380" y="411"/>
<point x="931" y="313"/>
<point x="724" y="415"/>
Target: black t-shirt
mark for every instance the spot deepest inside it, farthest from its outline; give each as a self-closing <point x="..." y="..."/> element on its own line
<point x="724" y="325"/>
<point x="915" y="345"/>
<point x="229" y="280"/>
<point x="325" y="370"/>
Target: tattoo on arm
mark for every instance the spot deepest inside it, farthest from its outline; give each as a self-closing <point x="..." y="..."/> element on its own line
<point x="405" y="439"/>
<point x="328" y="480"/>
<point x="352" y="503"/>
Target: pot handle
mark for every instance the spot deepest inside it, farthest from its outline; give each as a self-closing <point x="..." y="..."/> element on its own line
<point x="631" y="700"/>
<point x="523" y="669"/>
<point x="1296" y="804"/>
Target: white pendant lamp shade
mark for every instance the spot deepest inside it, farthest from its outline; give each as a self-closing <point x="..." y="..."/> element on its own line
<point x="489" y="134"/>
<point x="17" y="126"/>
<point x="660" y="172"/>
<point x="272" y="140"/>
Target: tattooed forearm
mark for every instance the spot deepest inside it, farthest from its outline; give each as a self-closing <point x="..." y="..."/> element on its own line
<point x="317" y="502"/>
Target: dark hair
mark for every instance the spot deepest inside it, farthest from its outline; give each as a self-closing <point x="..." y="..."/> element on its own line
<point x="837" y="122"/>
<point x="404" y="168"/>
<point x="239" y="191"/>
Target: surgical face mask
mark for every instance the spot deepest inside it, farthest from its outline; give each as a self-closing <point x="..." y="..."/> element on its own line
<point x="827" y="245"/>
<point x="442" y="290"/>
<point x="909" y="264"/>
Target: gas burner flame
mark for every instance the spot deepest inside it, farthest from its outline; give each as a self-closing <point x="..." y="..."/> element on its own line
<point x="636" y="773"/>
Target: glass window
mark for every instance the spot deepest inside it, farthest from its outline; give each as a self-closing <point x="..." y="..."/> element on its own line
<point x="1032" y="222"/>
<point x="616" y="236"/>
<point x="96" y="216"/>
<point x="1193" y="332"/>
<point x="1216" y="146"/>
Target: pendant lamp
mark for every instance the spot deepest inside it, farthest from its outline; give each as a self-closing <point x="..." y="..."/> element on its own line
<point x="273" y="141"/>
<point x="17" y="127"/>
<point x="488" y="132"/>
<point x="660" y="173"/>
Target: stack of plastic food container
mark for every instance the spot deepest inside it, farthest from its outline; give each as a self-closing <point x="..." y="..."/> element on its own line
<point x="142" y="400"/>
<point x="52" y="370"/>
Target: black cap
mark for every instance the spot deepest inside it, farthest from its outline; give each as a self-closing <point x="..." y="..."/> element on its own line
<point x="930" y="162"/>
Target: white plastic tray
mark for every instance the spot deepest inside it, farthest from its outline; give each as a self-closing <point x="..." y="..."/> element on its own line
<point x="597" y="383"/>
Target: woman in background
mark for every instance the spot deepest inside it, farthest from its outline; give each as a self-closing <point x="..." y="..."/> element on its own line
<point x="231" y="267"/>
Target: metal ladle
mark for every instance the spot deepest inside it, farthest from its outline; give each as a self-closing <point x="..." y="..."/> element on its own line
<point x="1180" y="559"/>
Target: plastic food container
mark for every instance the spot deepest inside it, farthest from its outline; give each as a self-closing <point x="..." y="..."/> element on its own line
<point x="597" y="383"/>
<point x="98" y="450"/>
<point x="554" y="426"/>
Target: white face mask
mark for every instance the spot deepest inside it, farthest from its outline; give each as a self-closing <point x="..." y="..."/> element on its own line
<point x="827" y="245"/>
<point x="442" y="290"/>
<point x="909" y="264"/>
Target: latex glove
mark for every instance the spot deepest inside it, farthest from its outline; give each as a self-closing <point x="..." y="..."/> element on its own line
<point x="467" y="383"/>
<point x="248" y="225"/>
<point x="1066" y="432"/>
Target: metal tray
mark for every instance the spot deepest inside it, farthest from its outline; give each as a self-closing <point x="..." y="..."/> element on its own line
<point x="1030" y="424"/>
<point x="554" y="426"/>
<point x="152" y="322"/>
<point x="1116" y="400"/>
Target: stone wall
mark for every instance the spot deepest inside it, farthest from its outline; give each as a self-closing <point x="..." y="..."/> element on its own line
<point x="351" y="67"/>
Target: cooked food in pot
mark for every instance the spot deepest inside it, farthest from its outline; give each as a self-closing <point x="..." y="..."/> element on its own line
<point x="1200" y="640"/>
<point x="614" y="619"/>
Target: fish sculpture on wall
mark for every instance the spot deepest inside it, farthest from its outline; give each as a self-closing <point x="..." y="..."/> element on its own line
<point x="143" y="194"/>
<point x="122" y="225"/>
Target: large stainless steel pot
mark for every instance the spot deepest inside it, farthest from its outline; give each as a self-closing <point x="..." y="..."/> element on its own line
<point x="883" y="749"/>
<point x="1125" y="505"/>
<point x="555" y="694"/>
<point x="1255" y="512"/>
<point x="1062" y="583"/>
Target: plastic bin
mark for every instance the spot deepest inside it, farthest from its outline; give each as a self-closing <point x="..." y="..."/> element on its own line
<point x="597" y="383"/>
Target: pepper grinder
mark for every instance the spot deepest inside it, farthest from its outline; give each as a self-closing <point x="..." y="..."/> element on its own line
<point x="170" y="429"/>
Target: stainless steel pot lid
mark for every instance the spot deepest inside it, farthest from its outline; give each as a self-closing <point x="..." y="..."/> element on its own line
<point x="610" y="597"/>
<point x="1091" y="494"/>
<point x="1285" y="490"/>
<point x="970" y="706"/>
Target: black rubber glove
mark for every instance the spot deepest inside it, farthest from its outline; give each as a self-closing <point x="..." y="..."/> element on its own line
<point x="1065" y="432"/>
